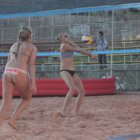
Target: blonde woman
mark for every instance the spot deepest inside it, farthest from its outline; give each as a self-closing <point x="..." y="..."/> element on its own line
<point x="68" y="73"/>
<point x="21" y="54"/>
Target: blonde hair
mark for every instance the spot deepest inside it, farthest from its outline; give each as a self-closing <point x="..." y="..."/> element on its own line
<point x="59" y="36"/>
<point x="24" y="34"/>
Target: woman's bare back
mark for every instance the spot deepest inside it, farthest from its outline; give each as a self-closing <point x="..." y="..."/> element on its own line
<point x="21" y="58"/>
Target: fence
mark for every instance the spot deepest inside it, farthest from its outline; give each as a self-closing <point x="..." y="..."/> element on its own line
<point x="127" y="77"/>
<point x="119" y="23"/>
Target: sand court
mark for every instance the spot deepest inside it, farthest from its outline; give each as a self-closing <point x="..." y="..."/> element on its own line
<point x="100" y="118"/>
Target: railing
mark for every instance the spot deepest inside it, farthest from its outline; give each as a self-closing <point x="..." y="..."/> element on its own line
<point x="127" y="75"/>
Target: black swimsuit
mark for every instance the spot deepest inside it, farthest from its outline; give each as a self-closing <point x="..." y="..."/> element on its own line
<point x="71" y="72"/>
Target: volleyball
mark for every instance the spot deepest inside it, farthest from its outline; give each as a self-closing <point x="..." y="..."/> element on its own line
<point x="87" y="39"/>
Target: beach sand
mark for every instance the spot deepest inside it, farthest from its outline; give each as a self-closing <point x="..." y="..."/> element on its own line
<point x="100" y="118"/>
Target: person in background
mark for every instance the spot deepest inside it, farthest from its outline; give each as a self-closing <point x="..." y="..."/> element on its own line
<point x="22" y="55"/>
<point x="102" y="45"/>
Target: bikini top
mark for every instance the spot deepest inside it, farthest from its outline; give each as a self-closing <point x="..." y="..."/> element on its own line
<point x="16" y="53"/>
<point x="66" y="55"/>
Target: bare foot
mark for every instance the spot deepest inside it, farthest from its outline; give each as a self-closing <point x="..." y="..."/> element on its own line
<point x="12" y="124"/>
<point x="58" y="113"/>
<point x="63" y="114"/>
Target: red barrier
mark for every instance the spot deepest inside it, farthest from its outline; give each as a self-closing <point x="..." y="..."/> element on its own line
<point x="58" y="87"/>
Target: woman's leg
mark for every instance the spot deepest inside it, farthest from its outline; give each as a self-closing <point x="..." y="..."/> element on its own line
<point x="70" y="83"/>
<point x="81" y="93"/>
<point x="7" y="90"/>
<point x="23" y="86"/>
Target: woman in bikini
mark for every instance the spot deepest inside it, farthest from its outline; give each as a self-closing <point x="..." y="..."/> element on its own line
<point x="22" y="54"/>
<point x="68" y="73"/>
